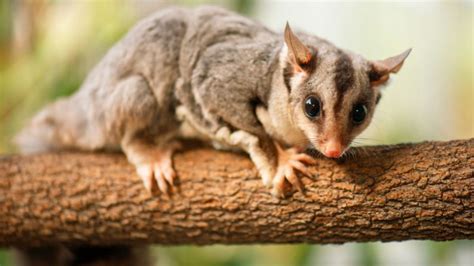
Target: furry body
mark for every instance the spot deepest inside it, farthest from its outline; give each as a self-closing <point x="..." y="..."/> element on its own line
<point x="211" y="74"/>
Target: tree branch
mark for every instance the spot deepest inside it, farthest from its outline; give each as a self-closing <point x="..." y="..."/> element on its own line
<point x="383" y="193"/>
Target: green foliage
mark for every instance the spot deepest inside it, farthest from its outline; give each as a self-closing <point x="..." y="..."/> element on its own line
<point x="219" y="255"/>
<point x="5" y="258"/>
<point x="5" y="21"/>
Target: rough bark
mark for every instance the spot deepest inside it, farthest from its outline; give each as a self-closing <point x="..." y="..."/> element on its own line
<point x="383" y="193"/>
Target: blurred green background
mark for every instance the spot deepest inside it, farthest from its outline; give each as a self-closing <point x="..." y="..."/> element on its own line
<point x="47" y="48"/>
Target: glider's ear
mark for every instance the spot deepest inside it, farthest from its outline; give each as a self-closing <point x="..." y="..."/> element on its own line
<point x="300" y="55"/>
<point x="381" y="69"/>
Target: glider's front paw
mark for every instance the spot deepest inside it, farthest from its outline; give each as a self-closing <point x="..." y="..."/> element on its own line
<point x="290" y="161"/>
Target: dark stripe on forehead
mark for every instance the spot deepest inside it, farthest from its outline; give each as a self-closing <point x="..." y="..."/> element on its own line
<point x="344" y="77"/>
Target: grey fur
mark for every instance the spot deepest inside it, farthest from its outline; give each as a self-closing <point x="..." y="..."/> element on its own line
<point x="213" y="72"/>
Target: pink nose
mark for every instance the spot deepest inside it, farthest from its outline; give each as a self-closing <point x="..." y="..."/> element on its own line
<point x="333" y="149"/>
<point x="333" y="153"/>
